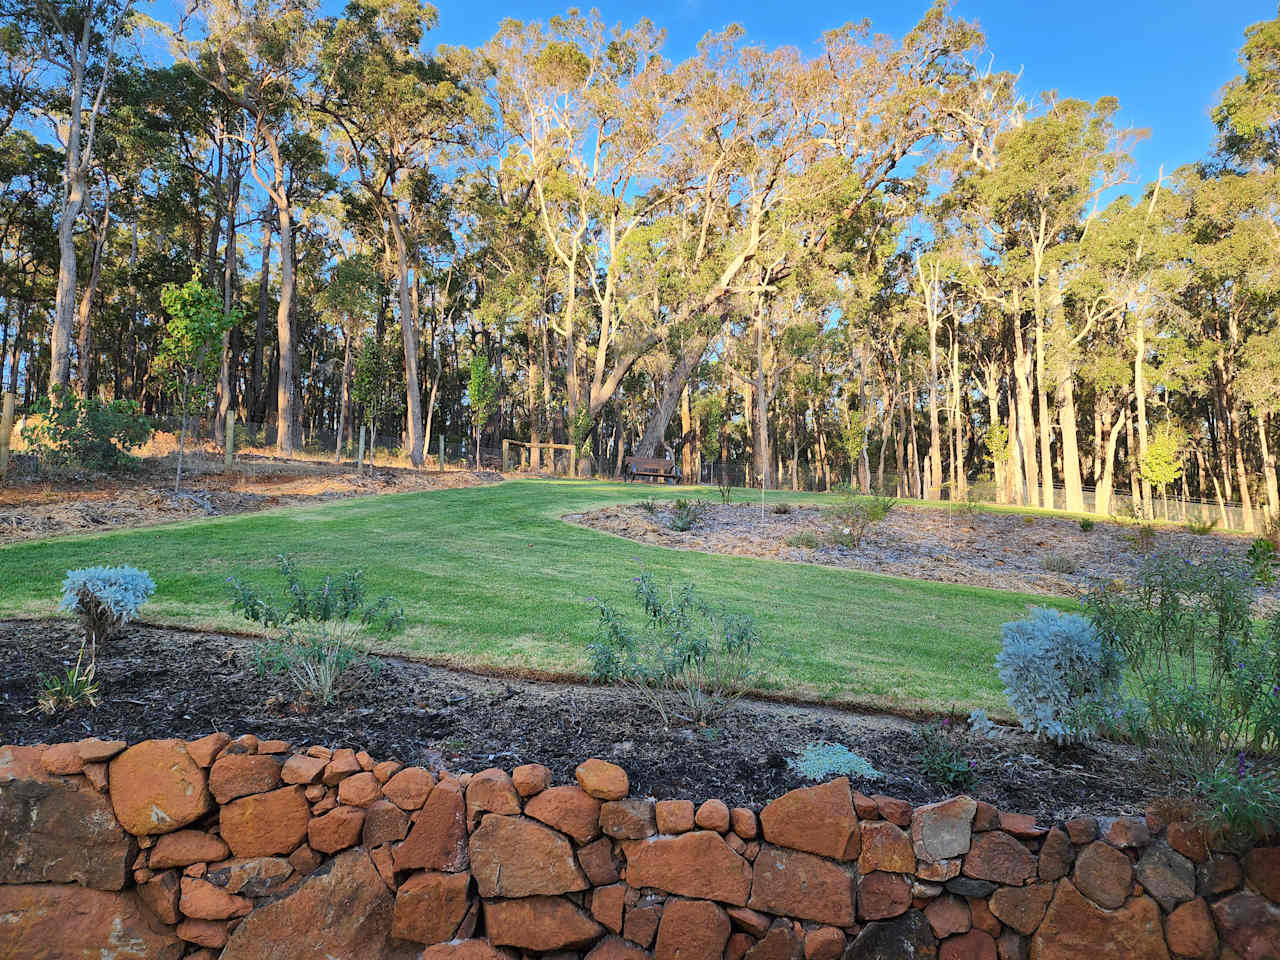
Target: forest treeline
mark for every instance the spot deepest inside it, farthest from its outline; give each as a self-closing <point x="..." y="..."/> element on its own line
<point x="877" y="260"/>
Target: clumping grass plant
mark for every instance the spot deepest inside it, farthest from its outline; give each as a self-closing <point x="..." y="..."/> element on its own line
<point x="684" y="648"/>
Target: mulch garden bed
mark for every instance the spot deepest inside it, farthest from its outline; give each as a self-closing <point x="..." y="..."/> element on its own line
<point x="175" y="683"/>
<point x="1045" y="555"/>
<point x="32" y="506"/>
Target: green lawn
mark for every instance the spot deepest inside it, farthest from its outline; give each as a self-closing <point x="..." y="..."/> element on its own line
<point x="490" y="577"/>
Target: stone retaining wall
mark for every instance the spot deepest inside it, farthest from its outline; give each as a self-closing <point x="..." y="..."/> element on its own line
<point x="245" y="849"/>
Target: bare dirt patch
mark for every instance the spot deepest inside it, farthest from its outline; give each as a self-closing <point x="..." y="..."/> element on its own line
<point x="33" y="506"/>
<point x="161" y="682"/>
<point x="1005" y="551"/>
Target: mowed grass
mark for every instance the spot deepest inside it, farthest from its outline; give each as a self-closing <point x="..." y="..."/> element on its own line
<point x="492" y="578"/>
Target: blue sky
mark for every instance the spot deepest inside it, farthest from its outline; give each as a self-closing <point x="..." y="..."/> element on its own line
<point x="1165" y="61"/>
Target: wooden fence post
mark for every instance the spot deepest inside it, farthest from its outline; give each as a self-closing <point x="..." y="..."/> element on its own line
<point x="573" y="460"/>
<point x="442" y="453"/>
<point x="229" y="449"/>
<point x="6" y="430"/>
<point x="360" y="455"/>
<point x="506" y="451"/>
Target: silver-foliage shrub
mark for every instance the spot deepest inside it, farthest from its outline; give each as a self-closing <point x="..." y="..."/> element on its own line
<point x="105" y="598"/>
<point x="822" y="759"/>
<point x="1060" y="678"/>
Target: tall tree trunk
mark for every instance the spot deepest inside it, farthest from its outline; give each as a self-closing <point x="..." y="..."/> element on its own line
<point x="1026" y="421"/>
<point x="257" y="387"/>
<point x="288" y="413"/>
<point x="409" y="336"/>
<point x="1268" y="467"/>
<point x="84" y="315"/>
<point x="1072" y="484"/>
<point x="226" y="373"/>
<point x="686" y="436"/>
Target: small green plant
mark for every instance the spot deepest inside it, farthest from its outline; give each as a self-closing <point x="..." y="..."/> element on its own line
<point x="319" y="626"/>
<point x="1060" y="563"/>
<point x="1241" y="801"/>
<point x="725" y="487"/>
<point x="1143" y="538"/>
<point x="685" y="646"/>
<point x="971" y="505"/>
<point x="782" y="508"/>
<point x="648" y="506"/>
<point x="1201" y="527"/>
<point x="1264" y="560"/>
<point x="685" y="514"/>
<point x="68" y="690"/>
<point x="878" y="507"/>
<point x="822" y="759"/>
<point x="75" y="432"/>
<point x="942" y="756"/>
<point x="805" y="539"/>
<point x="1086" y="524"/>
<point x="853" y="519"/>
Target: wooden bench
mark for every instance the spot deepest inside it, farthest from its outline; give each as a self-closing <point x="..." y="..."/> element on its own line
<point x="665" y="470"/>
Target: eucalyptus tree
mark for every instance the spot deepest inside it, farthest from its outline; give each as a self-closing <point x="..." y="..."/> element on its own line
<point x="71" y="45"/>
<point x="260" y="55"/>
<point x="391" y="110"/>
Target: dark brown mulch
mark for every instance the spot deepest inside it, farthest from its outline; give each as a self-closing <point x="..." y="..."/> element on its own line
<point x="159" y="682"/>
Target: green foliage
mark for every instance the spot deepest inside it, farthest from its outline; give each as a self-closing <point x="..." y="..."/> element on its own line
<point x="942" y="756"/>
<point x="1086" y="524"/>
<point x="68" y="690"/>
<point x="1264" y="560"/>
<point x="712" y="411"/>
<point x="822" y="760"/>
<point x="782" y="508"/>
<point x="319" y="626"/>
<point x="648" y="506"/>
<point x="1162" y="464"/>
<point x="997" y="440"/>
<point x="853" y="519"/>
<point x="685" y="514"/>
<point x="374" y="371"/>
<point x="1201" y="527"/>
<point x="805" y="539"/>
<point x="1241" y="801"/>
<point x="91" y="433"/>
<point x="1207" y="673"/>
<point x="482" y="392"/>
<point x="190" y="351"/>
<point x="685" y="646"/>
<point x="1143" y="538"/>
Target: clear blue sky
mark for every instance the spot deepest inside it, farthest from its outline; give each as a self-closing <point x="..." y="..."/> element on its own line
<point x="1165" y="61"/>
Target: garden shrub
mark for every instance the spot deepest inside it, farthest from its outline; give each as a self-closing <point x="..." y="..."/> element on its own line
<point x="822" y="760"/>
<point x="1058" y="675"/>
<point x="105" y="598"/>
<point x="1086" y="524"/>
<point x="1207" y="673"/>
<point x="1201" y="527"/>
<point x="1241" y="801"/>
<point x="942" y="756"/>
<point x="685" y="514"/>
<point x="684" y="645"/>
<point x="1060" y="563"/>
<point x="87" y="432"/>
<point x="320" y="626"/>
<point x="1264" y="560"/>
<point x="805" y="539"/>
<point x="853" y="519"/>
<point x="782" y="508"/>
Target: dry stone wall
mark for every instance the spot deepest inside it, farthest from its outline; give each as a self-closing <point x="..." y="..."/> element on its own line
<point x="247" y="850"/>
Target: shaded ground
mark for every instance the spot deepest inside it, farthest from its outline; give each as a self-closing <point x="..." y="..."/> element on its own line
<point x="1005" y="551"/>
<point x="34" y="506"/>
<point x="158" y="682"/>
